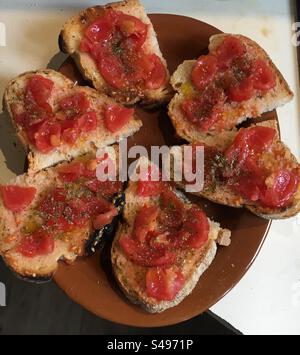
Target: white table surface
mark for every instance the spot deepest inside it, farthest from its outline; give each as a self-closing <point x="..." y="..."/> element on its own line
<point x="267" y="300"/>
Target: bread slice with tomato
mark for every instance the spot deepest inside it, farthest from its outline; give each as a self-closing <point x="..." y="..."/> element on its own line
<point x="237" y="80"/>
<point x="58" y="120"/>
<point x="56" y="214"/>
<point x="116" y="49"/>
<point x="252" y="168"/>
<point x="163" y="245"/>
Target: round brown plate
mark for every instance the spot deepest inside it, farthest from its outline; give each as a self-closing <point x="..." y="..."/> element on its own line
<point x="90" y="282"/>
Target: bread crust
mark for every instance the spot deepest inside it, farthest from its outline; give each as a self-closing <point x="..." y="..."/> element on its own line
<point x="99" y="138"/>
<point x="70" y="38"/>
<point x="207" y="256"/>
<point x="234" y="113"/>
<point x="225" y="196"/>
<point x="126" y="271"/>
<point x="81" y="242"/>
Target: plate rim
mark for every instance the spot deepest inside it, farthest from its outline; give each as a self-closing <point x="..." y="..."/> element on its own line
<point x="164" y="323"/>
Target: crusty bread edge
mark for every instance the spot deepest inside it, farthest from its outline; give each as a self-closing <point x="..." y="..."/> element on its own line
<point x="219" y="37"/>
<point x="94" y="236"/>
<point x="208" y="256"/>
<point x="35" y="158"/>
<point x="187" y="130"/>
<point x="217" y="235"/>
<point x="151" y="100"/>
<point x="6" y="97"/>
<point x="259" y="211"/>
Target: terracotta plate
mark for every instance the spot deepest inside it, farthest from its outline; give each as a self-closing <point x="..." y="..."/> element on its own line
<point x="90" y="282"/>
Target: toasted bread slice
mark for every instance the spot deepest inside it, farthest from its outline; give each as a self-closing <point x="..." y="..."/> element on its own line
<point x="220" y="193"/>
<point x="73" y="33"/>
<point x="98" y="138"/>
<point x="193" y="262"/>
<point x="68" y="244"/>
<point x="233" y="113"/>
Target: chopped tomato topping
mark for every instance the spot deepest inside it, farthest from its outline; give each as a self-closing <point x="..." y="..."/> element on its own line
<point x="230" y="49"/>
<point x="74" y="171"/>
<point x="242" y="92"/>
<point x="102" y="29"/>
<point x="157" y="75"/>
<point x="93" y="185"/>
<point x="172" y="214"/>
<point x="197" y="227"/>
<point x="284" y="185"/>
<point x="204" y="71"/>
<point x="227" y="74"/>
<point x="248" y="143"/>
<point x="47" y="136"/>
<point x="17" y="198"/>
<point x="64" y="213"/>
<point x="189" y="231"/>
<point x="278" y="193"/>
<point x="170" y="201"/>
<point x="147" y="185"/>
<point x="164" y="284"/>
<point x="52" y="207"/>
<point x="116" y="117"/>
<point x="249" y="177"/>
<point x="104" y="219"/>
<point x="75" y="104"/>
<point x="85" y="45"/>
<point x="61" y="224"/>
<point x="149" y="188"/>
<point x="144" y="255"/>
<point x="145" y="221"/>
<point x="38" y="90"/>
<point x="70" y="131"/>
<point x="112" y="71"/>
<point x="170" y="220"/>
<point x="106" y="189"/>
<point x="70" y="206"/>
<point x="37" y="244"/>
<point x="47" y="129"/>
<point x="115" y="42"/>
<point x="88" y="204"/>
<point x="204" y="111"/>
<point x="133" y="29"/>
<point x="250" y="186"/>
<point x="264" y="77"/>
<point x="160" y="231"/>
<point x="88" y="122"/>
<point x="71" y="172"/>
